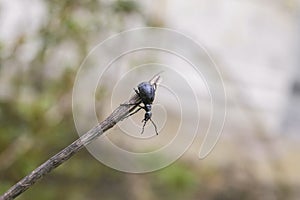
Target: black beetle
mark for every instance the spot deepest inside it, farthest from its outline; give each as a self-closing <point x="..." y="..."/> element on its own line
<point x="146" y="92"/>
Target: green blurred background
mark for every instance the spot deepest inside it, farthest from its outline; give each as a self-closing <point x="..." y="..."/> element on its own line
<point x="41" y="48"/>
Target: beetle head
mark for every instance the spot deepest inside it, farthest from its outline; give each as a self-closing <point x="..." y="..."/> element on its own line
<point x="148" y="116"/>
<point x="148" y="107"/>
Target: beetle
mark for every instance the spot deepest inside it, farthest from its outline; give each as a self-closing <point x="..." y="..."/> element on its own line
<point x="146" y="92"/>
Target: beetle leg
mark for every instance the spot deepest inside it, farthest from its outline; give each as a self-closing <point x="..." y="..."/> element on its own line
<point x="128" y="104"/>
<point x="143" y="126"/>
<point x="154" y="126"/>
<point x="155" y="86"/>
<point x="133" y="113"/>
<point x="132" y="104"/>
<point x="137" y="92"/>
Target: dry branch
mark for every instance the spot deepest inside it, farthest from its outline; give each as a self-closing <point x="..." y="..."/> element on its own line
<point x="117" y="115"/>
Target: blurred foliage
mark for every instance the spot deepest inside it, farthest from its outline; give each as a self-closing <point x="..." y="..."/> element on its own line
<point x="125" y="6"/>
<point x="35" y="102"/>
<point x="177" y="182"/>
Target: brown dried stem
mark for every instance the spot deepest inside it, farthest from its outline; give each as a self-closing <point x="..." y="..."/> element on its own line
<point x="117" y="115"/>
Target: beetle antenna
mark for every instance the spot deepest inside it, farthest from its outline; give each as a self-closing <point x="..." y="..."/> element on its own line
<point x="143" y="126"/>
<point x="154" y="126"/>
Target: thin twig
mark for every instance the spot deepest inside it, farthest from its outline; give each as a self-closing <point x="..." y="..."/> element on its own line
<point x="117" y="115"/>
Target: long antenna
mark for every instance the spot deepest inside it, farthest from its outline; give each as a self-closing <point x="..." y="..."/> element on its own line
<point x="143" y="126"/>
<point x="154" y="126"/>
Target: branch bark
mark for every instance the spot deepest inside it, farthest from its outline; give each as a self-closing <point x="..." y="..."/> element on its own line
<point x="117" y="115"/>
